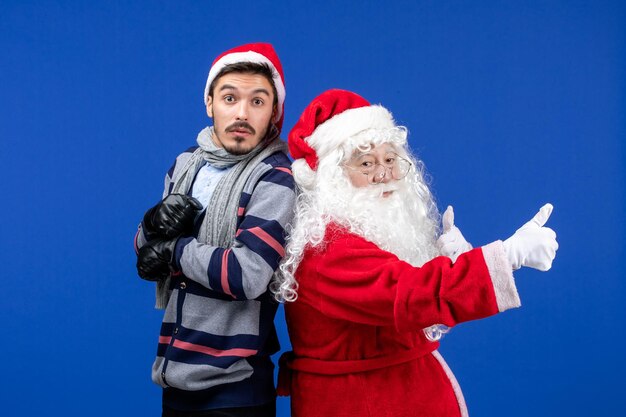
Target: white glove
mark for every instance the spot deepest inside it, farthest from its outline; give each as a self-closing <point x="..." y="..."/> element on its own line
<point x="451" y="243"/>
<point x="533" y="245"/>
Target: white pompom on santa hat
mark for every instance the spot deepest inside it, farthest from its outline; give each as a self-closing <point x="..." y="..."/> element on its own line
<point x="258" y="53"/>
<point x="329" y="120"/>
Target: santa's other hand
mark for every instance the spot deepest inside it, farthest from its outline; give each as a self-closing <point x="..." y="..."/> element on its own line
<point x="451" y="243"/>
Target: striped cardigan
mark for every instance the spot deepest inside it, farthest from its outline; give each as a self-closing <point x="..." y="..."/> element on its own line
<point x="218" y="327"/>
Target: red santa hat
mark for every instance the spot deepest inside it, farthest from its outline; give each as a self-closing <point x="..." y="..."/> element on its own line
<point x="258" y="53"/>
<point x="329" y="120"/>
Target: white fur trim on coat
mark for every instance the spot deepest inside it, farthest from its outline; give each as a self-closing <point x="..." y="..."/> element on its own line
<point x="455" y="384"/>
<point x="501" y="276"/>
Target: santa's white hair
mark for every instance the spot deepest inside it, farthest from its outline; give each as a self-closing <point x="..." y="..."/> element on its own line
<point x="406" y="223"/>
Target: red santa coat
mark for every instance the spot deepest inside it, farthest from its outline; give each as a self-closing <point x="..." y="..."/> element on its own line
<point x="356" y="327"/>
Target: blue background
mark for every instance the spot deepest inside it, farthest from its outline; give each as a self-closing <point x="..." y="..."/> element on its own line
<point x="510" y="105"/>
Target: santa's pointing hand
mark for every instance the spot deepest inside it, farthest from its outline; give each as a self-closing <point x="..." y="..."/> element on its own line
<point x="533" y="245"/>
<point x="451" y="243"/>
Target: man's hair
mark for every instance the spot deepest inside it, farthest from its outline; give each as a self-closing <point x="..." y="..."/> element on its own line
<point x="247" y="68"/>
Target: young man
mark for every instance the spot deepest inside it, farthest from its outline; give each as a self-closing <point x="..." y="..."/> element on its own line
<point x="369" y="298"/>
<point x="212" y="245"/>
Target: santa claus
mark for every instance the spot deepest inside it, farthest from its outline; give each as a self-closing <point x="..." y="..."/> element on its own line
<point x="367" y="294"/>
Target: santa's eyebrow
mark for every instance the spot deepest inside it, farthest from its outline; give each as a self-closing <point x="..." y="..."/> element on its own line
<point x="358" y="157"/>
<point x="360" y="154"/>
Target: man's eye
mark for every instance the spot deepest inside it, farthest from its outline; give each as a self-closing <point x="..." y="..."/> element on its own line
<point x="229" y="99"/>
<point x="390" y="161"/>
<point x="257" y="102"/>
<point x="367" y="164"/>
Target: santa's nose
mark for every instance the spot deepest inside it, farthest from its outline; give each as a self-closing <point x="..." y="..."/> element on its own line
<point x="381" y="176"/>
<point x="386" y="177"/>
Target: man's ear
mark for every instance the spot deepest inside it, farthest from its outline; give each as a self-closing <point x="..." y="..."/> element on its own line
<point x="209" y="107"/>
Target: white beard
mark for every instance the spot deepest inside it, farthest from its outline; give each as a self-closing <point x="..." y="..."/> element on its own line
<point x="405" y="223"/>
<point x="398" y="223"/>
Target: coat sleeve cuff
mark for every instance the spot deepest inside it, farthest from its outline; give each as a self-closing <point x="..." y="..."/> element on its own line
<point x="501" y="274"/>
<point x="178" y="251"/>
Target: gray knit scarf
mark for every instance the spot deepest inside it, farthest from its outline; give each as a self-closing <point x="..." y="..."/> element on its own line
<point x="220" y="221"/>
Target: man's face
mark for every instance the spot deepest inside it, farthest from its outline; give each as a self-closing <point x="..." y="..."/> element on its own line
<point x="378" y="166"/>
<point x="241" y="108"/>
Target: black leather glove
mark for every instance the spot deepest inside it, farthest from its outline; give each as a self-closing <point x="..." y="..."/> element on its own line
<point x="155" y="260"/>
<point x="172" y="217"/>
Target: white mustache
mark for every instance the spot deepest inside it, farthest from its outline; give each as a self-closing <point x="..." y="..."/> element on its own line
<point x="390" y="187"/>
<point x="376" y="190"/>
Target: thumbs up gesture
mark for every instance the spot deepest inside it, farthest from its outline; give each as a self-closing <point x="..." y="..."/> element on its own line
<point x="451" y="243"/>
<point x="533" y="245"/>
